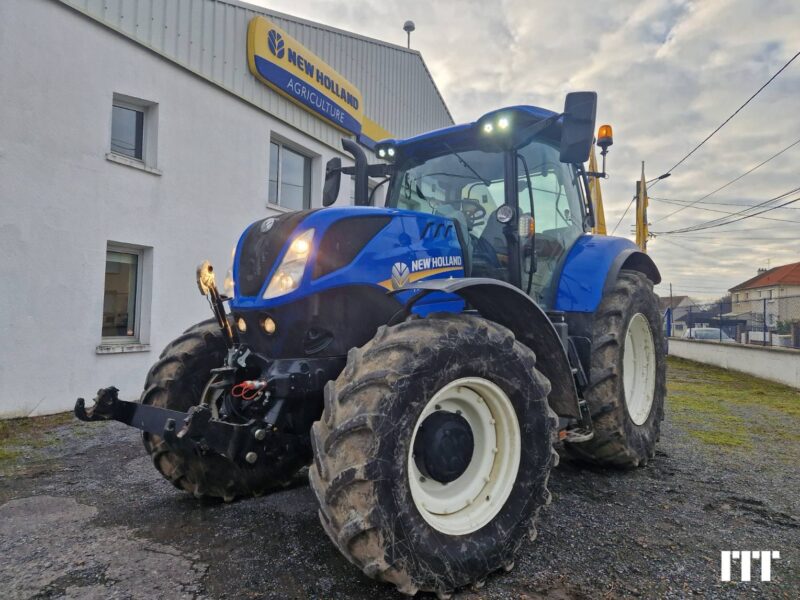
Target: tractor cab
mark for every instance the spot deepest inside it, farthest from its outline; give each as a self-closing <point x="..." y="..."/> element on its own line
<point x="547" y="212"/>
<point x="513" y="183"/>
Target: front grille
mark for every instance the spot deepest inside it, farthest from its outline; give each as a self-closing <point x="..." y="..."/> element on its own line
<point x="261" y="247"/>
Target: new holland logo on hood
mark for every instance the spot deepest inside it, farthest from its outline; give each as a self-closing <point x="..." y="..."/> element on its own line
<point x="420" y="268"/>
<point x="292" y="70"/>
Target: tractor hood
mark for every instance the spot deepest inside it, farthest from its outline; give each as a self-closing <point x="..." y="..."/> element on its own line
<point x="285" y="258"/>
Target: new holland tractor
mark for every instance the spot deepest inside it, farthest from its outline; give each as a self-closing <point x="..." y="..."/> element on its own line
<point x="424" y="357"/>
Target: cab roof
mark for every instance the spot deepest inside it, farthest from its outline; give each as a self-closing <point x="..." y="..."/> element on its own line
<point x="471" y="135"/>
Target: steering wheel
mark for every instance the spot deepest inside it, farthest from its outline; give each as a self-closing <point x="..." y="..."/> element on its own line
<point x="470" y="208"/>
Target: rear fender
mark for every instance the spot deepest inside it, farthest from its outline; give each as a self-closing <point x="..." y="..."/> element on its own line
<point x="592" y="267"/>
<point x="504" y="304"/>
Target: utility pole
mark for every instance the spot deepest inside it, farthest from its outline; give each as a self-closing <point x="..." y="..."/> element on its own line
<point x="642" y="233"/>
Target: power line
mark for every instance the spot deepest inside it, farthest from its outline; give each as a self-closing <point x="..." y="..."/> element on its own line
<point x="732" y="181"/>
<point x="722" y="220"/>
<point x="734" y="204"/>
<point x="749" y="237"/>
<point x="747" y="216"/>
<point x="725" y="122"/>
<point x="746" y="229"/>
<point x="623" y="215"/>
<point x="725" y="212"/>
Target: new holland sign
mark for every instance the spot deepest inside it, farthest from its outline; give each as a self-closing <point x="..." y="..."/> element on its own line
<point x="288" y="67"/>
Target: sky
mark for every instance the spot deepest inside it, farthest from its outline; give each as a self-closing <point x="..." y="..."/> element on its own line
<point x="666" y="73"/>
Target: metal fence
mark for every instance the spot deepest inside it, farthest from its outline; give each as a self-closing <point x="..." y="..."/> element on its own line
<point x="763" y="321"/>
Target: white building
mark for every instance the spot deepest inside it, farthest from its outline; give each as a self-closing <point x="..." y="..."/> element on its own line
<point x="135" y="141"/>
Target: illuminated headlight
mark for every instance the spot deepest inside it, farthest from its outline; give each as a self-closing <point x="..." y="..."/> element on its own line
<point x="502" y="122"/>
<point x="289" y="273"/>
<point x="488" y="127"/>
<point x="241" y="325"/>
<point x="269" y="325"/>
<point x="386" y="151"/>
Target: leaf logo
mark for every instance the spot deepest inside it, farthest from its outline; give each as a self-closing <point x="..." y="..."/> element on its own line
<point x="399" y="275"/>
<point x="275" y="42"/>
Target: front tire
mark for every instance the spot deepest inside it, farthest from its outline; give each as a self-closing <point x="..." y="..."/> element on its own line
<point x="628" y="376"/>
<point x="427" y="524"/>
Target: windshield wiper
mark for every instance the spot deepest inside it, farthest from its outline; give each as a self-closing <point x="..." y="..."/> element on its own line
<point x="466" y="165"/>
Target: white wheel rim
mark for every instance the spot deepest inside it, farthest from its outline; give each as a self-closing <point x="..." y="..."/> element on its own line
<point x="471" y="501"/>
<point x="639" y="369"/>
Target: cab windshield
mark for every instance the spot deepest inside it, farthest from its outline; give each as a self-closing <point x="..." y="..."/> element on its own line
<point x="469" y="187"/>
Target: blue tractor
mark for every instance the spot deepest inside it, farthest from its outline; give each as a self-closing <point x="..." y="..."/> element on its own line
<point x="425" y="358"/>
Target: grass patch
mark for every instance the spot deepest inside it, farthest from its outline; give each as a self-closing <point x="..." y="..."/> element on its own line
<point x="728" y="409"/>
<point x="6" y="454"/>
<point x="33" y="432"/>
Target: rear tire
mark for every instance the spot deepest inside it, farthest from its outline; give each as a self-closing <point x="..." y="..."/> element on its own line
<point x="177" y="382"/>
<point x="628" y="376"/>
<point x="364" y="453"/>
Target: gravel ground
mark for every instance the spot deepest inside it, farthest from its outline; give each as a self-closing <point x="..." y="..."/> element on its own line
<point x="84" y="515"/>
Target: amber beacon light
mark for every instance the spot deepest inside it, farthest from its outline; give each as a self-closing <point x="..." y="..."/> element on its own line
<point x="605" y="136"/>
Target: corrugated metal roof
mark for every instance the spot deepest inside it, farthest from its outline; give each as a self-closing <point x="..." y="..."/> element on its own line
<point x="209" y="38"/>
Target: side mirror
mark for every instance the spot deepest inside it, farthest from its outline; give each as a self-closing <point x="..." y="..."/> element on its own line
<point x="577" y="132"/>
<point x="333" y="180"/>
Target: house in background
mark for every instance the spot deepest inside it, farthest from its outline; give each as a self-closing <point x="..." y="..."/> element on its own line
<point x="772" y="295"/>
<point x="769" y="304"/>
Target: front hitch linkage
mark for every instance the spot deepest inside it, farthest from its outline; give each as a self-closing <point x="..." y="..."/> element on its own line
<point x="194" y="431"/>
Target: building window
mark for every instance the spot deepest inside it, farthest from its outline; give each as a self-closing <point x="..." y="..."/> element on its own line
<point x="134" y="133"/>
<point x="127" y="131"/>
<point x="289" y="177"/>
<point x="122" y="294"/>
<point x="736" y="297"/>
<point x="747" y="295"/>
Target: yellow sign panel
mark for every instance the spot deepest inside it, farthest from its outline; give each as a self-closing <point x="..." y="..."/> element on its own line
<point x="291" y="69"/>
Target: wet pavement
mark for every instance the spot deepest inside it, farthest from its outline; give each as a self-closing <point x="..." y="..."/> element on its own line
<point x="86" y="516"/>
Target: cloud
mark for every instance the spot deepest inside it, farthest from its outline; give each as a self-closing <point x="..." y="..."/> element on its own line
<point x="667" y="73"/>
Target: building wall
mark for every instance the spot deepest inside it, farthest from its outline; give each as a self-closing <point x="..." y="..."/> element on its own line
<point x="782" y="303"/>
<point x="62" y="201"/>
<point x="208" y="38"/>
<point x="743" y="299"/>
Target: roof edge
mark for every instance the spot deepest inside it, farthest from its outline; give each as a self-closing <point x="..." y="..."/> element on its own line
<point x="269" y="12"/>
<point x="749" y="283"/>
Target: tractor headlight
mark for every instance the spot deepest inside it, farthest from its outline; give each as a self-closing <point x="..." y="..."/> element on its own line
<point x="386" y="150"/>
<point x="289" y="273"/>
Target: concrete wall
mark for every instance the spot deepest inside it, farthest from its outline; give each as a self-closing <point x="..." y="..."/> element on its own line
<point x="776" y="364"/>
<point x="62" y="200"/>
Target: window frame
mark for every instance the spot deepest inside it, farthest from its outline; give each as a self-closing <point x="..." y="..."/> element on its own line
<point x="308" y="166"/>
<point x="149" y="110"/>
<point x="136" y="338"/>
